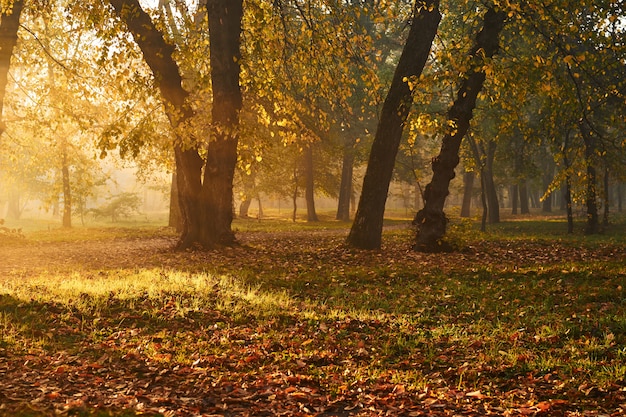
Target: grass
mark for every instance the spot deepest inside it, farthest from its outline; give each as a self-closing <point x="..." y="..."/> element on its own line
<point x="534" y="316"/>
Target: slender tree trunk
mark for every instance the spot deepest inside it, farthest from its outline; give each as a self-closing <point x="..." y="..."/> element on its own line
<point x="366" y="231"/>
<point x="490" y="186"/>
<point x="483" y="200"/>
<point x="523" y="197"/>
<point x="619" y="197"/>
<point x="14" y="210"/>
<point x="568" y="202"/>
<point x="175" y="218"/>
<point x="67" y="190"/>
<point x="514" y="194"/>
<point x="345" y="188"/>
<point x="547" y="177"/>
<point x="607" y="201"/>
<point x="431" y="220"/>
<point x="9" y="25"/>
<point x="244" y="207"/>
<point x="468" y="190"/>
<point x="309" y="192"/>
<point x="260" y="213"/>
<point x="593" y="224"/>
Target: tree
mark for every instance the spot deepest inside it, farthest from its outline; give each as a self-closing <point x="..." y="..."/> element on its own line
<point x="204" y="184"/>
<point x="367" y="227"/>
<point x="431" y="220"/>
<point x="9" y="25"/>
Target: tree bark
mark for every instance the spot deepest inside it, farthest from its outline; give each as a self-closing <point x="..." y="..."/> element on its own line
<point x="206" y="203"/>
<point x="366" y="231"/>
<point x="9" y="25"/>
<point x="568" y="202"/>
<point x="523" y="197"/>
<point x="547" y="177"/>
<point x="514" y="195"/>
<point x="431" y="220"/>
<point x="224" y="35"/>
<point x="345" y="188"/>
<point x="607" y="192"/>
<point x="175" y="218"/>
<point x="468" y="190"/>
<point x="593" y="224"/>
<point x="309" y="191"/>
<point x="67" y="189"/>
<point x="490" y="186"/>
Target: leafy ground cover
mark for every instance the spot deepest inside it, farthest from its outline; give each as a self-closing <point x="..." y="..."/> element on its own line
<point x="524" y="321"/>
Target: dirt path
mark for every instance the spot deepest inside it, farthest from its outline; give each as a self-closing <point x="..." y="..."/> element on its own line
<point x="68" y="256"/>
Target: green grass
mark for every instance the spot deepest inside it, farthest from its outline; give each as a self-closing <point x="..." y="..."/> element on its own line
<point x="525" y="327"/>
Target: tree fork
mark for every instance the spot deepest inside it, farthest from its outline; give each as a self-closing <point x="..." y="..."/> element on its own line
<point x="366" y="231"/>
<point x="431" y="221"/>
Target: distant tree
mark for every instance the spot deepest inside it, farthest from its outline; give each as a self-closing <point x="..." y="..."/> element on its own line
<point x="118" y="206"/>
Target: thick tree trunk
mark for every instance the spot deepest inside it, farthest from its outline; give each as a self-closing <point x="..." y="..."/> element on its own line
<point x="431" y="220"/>
<point x="9" y="25"/>
<point x="224" y="35"/>
<point x="366" y="231"/>
<point x="468" y="190"/>
<point x="206" y="203"/>
<point x="309" y="191"/>
<point x="345" y="188"/>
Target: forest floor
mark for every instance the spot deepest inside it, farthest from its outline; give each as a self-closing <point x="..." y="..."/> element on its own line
<point x="525" y="320"/>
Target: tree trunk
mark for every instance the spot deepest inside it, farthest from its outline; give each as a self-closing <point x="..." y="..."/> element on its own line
<point x="224" y="35"/>
<point x="244" y="206"/>
<point x="366" y="231"/>
<point x="483" y="201"/>
<point x="468" y="190"/>
<point x="514" y="196"/>
<point x="619" y="197"/>
<point x="490" y="186"/>
<point x="175" y="218"/>
<point x="9" y="25"/>
<point x="14" y="210"/>
<point x="260" y="214"/>
<point x="523" y="197"/>
<point x="607" y="201"/>
<point x="431" y="220"/>
<point x="345" y="188"/>
<point x="309" y="191"/>
<point x="593" y="224"/>
<point x="568" y="202"/>
<point x="546" y="204"/>
<point x="206" y="202"/>
<point x="67" y="190"/>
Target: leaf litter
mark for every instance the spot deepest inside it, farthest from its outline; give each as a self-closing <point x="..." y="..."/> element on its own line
<point x="389" y="332"/>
